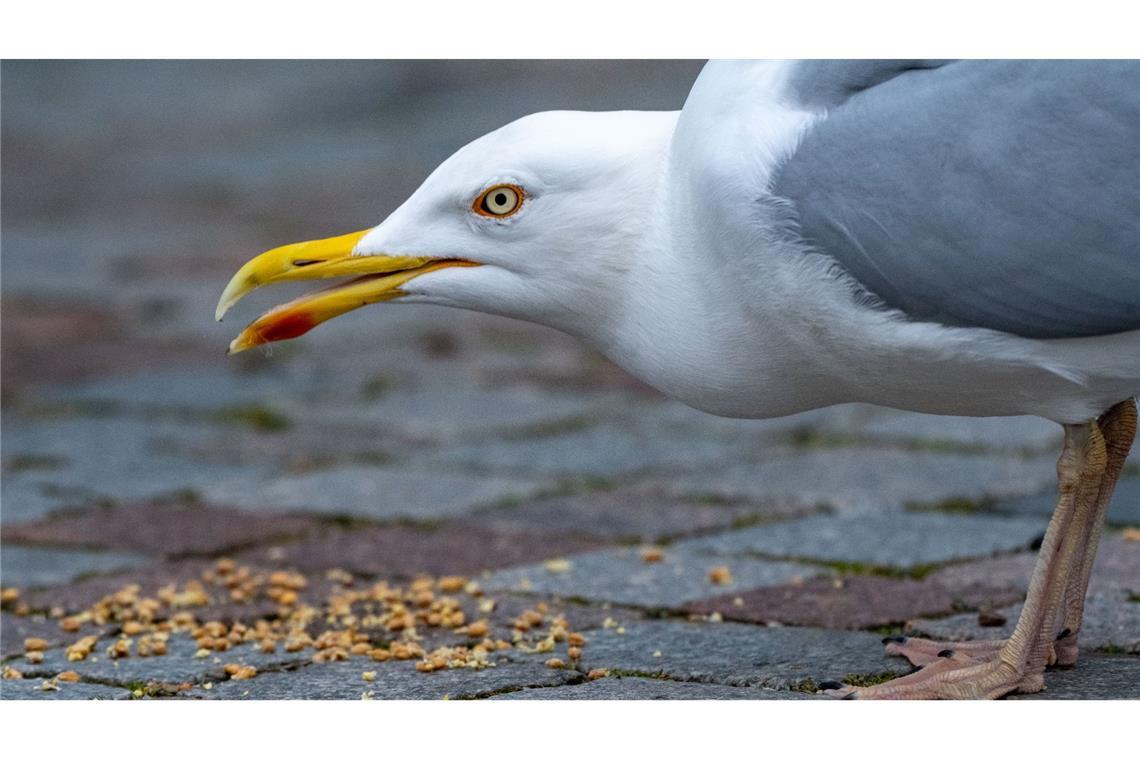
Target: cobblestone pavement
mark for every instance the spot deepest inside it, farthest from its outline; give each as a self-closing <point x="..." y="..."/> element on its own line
<point x="264" y="519"/>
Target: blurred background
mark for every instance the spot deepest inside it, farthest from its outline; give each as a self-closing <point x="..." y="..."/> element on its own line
<point x="133" y="190"/>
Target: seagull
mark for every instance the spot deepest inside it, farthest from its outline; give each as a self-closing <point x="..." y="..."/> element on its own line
<point x="946" y="237"/>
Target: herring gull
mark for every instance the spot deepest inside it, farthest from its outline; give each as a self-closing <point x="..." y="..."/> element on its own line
<point x="957" y="238"/>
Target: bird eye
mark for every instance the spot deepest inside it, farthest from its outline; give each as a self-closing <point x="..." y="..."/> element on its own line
<point x="499" y="201"/>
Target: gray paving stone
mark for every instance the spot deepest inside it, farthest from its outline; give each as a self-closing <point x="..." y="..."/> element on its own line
<point x="632" y="687"/>
<point x="438" y="413"/>
<point x="1111" y="621"/>
<point x="15" y="628"/>
<point x="1095" y="676"/>
<point x="378" y="493"/>
<point x="1117" y="568"/>
<point x="177" y="666"/>
<point x="105" y="459"/>
<point x="1011" y="433"/>
<point x="394" y="680"/>
<point x="1124" y="509"/>
<point x="175" y="529"/>
<point x="634" y="513"/>
<point x="32" y="689"/>
<point x="25" y="566"/>
<point x="622" y="576"/>
<point x="862" y="479"/>
<point x="736" y="654"/>
<point x="895" y="540"/>
<point x="605" y="451"/>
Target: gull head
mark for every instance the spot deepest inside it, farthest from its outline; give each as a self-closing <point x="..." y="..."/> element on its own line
<point x="542" y="220"/>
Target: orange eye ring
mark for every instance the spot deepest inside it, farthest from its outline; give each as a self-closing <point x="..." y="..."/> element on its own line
<point x="499" y="201"/>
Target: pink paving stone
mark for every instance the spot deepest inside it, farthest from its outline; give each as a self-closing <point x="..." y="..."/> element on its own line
<point x="1117" y="567"/>
<point x="854" y="602"/>
<point x="162" y="529"/>
<point x="406" y="551"/>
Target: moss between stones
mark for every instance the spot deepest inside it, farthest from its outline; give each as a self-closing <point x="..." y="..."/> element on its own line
<point x="868" y="679"/>
<point x="955" y="505"/>
<point x="807" y="686"/>
<point x="33" y="462"/>
<point x="255" y="416"/>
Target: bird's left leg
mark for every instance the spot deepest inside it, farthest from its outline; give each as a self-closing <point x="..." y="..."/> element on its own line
<point x="1118" y="426"/>
<point x="1021" y="660"/>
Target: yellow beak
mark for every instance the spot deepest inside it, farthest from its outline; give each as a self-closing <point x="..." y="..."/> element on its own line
<point x="376" y="278"/>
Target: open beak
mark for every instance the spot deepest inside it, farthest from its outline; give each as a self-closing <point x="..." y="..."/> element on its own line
<point x="375" y="278"/>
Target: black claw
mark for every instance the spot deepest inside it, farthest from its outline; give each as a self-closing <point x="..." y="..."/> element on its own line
<point x="894" y="640"/>
<point x="1063" y="634"/>
<point x="946" y="653"/>
<point x="851" y="695"/>
<point x="830" y="685"/>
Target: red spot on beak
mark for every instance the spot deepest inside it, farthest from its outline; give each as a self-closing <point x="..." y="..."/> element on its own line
<point x="289" y="325"/>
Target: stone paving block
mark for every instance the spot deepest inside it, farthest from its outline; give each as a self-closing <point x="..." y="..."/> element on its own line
<point x="605" y="451"/>
<point x="1012" y="434"/>
<point x="177" y="666"/>
<point x="1095" y="676"/>
<point x="1124" y="509"/>
<point x="81" y="594"/>
<point x="15" y="628"/>
<point x="32" y="689"/>
<point x="622" y="576"/>
<point x="394" y="680"/>
<point x="209" y="386"/>
<point x="434" y="413"/>
<point x="862" y="479"/>
<point x="160" y="529"/>
<point x="642" y="513"/>
<point x="407" y="551"/>
<point x="901" y="541"/>
<point x="854" y="602"/>
<point x="104" y="459"/>
<point x="631" y="687"/>
<point x="376" y="493"/>
<point x="738" y="655"/>
<point x="1111" y="622"/>
<point x="1117" y="568"/>
<point x="25" y="566"/>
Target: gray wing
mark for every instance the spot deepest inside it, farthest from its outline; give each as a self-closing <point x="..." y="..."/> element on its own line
<point x="991" y="194"/>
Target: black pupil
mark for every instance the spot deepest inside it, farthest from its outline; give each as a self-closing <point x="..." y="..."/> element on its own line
<point x="500" y="199"/>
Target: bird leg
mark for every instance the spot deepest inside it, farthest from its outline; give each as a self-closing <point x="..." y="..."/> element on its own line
<point x="1020" y="661"/>
<point x="1118" y="426"/>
